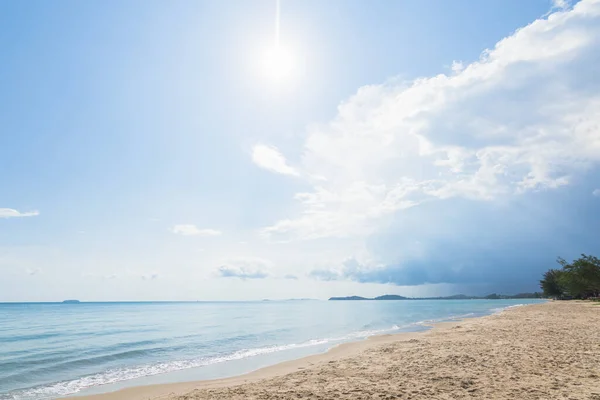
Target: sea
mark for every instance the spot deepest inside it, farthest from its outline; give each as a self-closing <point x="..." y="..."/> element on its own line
<point x="50" y="350"/>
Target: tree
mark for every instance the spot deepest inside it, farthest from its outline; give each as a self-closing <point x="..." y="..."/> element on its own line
<point x="552" y="284"/>
<point x="581" y="278"/>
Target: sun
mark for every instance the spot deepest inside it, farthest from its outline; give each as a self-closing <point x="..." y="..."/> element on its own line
<point x="278" y="63"/>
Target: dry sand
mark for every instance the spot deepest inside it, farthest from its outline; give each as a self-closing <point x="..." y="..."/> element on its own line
<point x="543" y="351"/>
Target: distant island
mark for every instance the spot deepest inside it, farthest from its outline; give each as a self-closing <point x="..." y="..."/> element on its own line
<point x="492" y="296"/>
<point x="71" y="302"/>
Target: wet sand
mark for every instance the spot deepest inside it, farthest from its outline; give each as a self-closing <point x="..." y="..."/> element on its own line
<point x="541" y="351"/>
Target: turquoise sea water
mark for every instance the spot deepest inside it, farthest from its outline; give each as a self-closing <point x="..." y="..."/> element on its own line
<point x="48" y="350"/>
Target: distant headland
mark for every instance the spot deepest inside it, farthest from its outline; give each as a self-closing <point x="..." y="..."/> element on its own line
<point x="71" y="302"/>
<point x="492" y="296"/>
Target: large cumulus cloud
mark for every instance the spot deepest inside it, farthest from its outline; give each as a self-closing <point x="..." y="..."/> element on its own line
<point x="478" y="148"/>
<point x="505" y="246"/>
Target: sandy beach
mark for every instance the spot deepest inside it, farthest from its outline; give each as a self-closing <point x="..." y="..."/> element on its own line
<point x="542" y="351"/>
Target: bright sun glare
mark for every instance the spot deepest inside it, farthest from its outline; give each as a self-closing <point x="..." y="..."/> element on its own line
<point x="278" y="63"/>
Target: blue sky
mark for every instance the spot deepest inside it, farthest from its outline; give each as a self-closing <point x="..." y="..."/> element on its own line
<point x="418" y="148"/>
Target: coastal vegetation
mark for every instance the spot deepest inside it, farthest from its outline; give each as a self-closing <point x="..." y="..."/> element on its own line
<point x="579" y="279"/>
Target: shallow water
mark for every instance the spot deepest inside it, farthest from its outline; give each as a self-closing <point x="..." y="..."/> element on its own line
<point x="49" y="350"/>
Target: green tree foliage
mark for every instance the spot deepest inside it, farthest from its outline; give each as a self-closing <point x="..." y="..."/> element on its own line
<point x="579" y="279"/>
<point x="551" y="283"/>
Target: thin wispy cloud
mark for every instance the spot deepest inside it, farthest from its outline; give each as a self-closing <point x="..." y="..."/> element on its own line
<point x="150" y="277"/>
<point x="100" y="276"/>
<point x="12" y="213"/>
<point x="33" y="271"/>
<point x="561" y="4"/>
<point x="270" y="158"/>
<point x="245" y="268"/>
<point x="193" y="230"/>
<point x="228" y="271"/>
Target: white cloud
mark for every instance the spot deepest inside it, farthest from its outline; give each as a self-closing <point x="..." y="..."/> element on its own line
<point x="103" y="276"/>
<point x="457" y="66"/>
<point x="269" y="157"/>
<point x="149" y="277"/>
<point x="560" y="4"/>
<point x="349" y="210"/>
<point x="524" y="117"/>
<point x="193" y="230"/>
<point x="245" y="268"/>
<point x="596" y="193"/>
<point x="12" y="213"/>
<point x="33" y="271"/>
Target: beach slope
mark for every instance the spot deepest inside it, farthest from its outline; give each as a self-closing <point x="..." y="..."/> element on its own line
<point x="542" y="351"/>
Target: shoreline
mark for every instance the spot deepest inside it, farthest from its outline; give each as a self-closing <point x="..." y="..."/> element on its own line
<point x="343" y="350"/>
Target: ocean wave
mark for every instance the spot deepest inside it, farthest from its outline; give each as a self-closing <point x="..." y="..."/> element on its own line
<point x="116" y="375"/>
<point x="500" y="309"/>
<point x="450" y="318"/>
<point x="111" y="376"/>
<point x="23" y="338"/>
